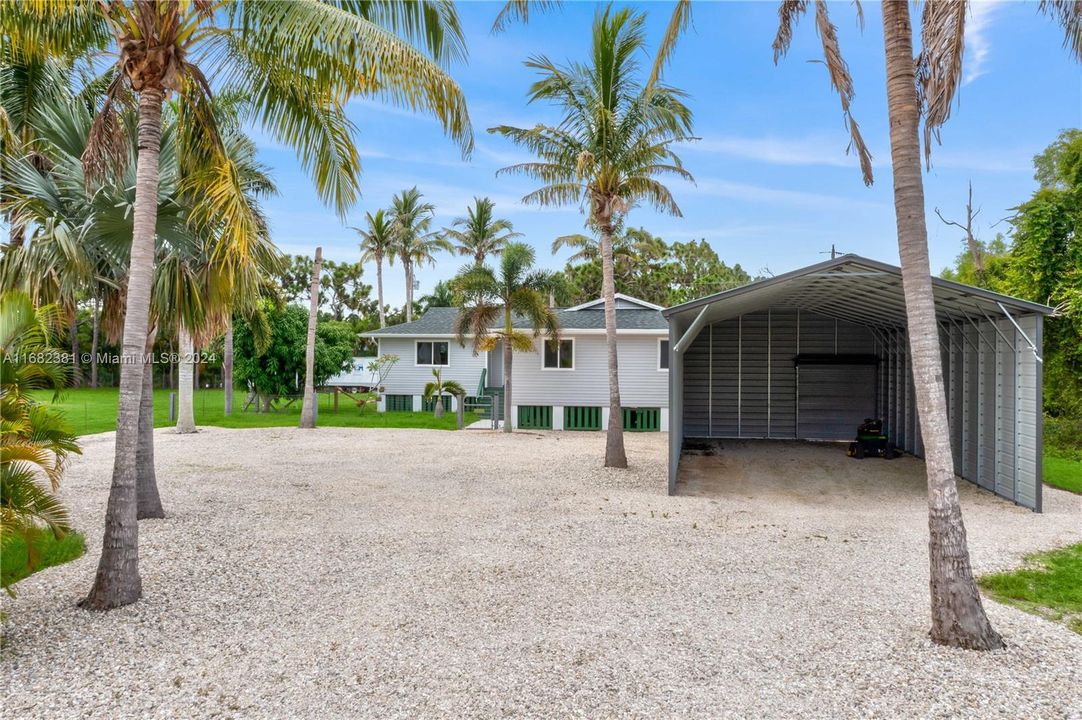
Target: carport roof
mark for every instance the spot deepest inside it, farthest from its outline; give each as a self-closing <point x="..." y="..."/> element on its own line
<point x="856" y="289"/>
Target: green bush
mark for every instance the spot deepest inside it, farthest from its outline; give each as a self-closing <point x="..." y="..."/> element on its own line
<point x="1063" y="437"/>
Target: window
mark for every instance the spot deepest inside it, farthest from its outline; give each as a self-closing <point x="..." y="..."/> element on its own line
<point x="559" y="355"/>
<point x="662" y="354"/>
<point x="433" y="353"/>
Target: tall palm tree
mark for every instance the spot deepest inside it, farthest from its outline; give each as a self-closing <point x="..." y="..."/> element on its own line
<point x="491" y="299"/>
<point x="377" y="244"/>
<point x="614" y="141"/>
<point x="480" y="234"/>
<point x="414" y="241"/>
<point x="308" y="406"/>
<point x="926" y="87"/>
<point x="300" y="62"/>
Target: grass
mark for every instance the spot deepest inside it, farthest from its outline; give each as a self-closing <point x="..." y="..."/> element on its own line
<point x="1064" y="473"/>
<point x="93" y="410"/>
<point x="49" y="551"/>
<point x="1049" y="585"/>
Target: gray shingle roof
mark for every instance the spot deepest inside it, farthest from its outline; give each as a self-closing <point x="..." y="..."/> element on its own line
<point x="441" y="321"/>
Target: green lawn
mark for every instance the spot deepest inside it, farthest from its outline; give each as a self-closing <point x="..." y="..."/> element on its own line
<point x="1063" y="473"/>
<point x="94" y="410"/>
<point x="48" y="551"/>
<point x="1050" y="585"/>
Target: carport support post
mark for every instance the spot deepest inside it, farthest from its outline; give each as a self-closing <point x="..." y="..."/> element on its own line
<point x="676" y="405"/>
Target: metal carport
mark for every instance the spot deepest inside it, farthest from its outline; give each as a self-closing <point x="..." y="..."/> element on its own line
<point x="801" y="355"/>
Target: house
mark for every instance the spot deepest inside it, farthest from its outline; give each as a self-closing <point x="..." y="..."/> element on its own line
<point x="809" y="354"/>
<point x="560" y="385"/>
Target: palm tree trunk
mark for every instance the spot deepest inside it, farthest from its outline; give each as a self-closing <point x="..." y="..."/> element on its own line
<point x="508" y="356"/>
<point x="149" y="503"/>
<point x="227" y="367"/>
<point x="437" y="411"/>
<point x="409" y="290"/>
<point x="186" y="392"/>
<point x="117" y="581"/>
<point x="308" y="410"/>
<point x="958" y="618"/>
<point x="614" y="439"/>
<point x="73" y="331"/>
<point x="379" y="291"/>
<point x="95" y="330"/>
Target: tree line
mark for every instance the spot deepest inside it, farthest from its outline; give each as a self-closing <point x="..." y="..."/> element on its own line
<point x="1040" y="259"/>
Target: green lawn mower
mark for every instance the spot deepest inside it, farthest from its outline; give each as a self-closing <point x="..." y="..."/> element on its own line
<point x="871" y="442"/>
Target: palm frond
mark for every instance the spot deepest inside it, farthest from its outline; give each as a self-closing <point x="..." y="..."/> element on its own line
<point x="678" y="25"/>
<point x="519" y="11"/>
<point x="1067" y="13"/>
<point x="789" y="12"/>
<point x="939" y="65"/>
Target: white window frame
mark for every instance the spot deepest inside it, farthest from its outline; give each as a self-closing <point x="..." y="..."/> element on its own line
<point x="558" y="369"/>
<point x="659" y="341"/>
<point x="433" y="343"/>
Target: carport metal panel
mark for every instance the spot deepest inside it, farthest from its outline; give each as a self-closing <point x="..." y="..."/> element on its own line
<point x="991" y="364"/>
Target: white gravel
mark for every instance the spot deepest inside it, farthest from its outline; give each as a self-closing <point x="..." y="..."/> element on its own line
<point x="404" y="573"/>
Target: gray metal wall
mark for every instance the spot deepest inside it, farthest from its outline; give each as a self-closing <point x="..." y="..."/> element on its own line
<point x="993" y="384"/>
<point x="738" y="379"/>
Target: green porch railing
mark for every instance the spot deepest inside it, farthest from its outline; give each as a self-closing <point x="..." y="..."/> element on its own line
<point x="642" y="419"/>
<point x="578" y="417"/>
<point x="399" y="403"/>
<point x="535" y="417"/>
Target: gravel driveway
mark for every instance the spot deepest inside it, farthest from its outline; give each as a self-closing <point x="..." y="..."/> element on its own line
<point x="404" y="573"/>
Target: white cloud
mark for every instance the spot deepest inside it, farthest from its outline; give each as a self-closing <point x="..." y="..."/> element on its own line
<point x="716" y="187"/>
<point x="780" y="151"/>
<point x="978" y="46"/>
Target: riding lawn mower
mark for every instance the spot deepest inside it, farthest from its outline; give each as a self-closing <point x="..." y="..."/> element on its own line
<point x="871" y="442"/>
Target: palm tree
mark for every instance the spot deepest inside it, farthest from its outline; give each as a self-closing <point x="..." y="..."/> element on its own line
<point x="612" y="143"/>
<point x="414" y="242"/>
<point x="440" y="387"/>
<point x="492" y="298"/>
<point x="442" y="295"/>
<point x="308" y="408"/>
<point x="377" y="243"/>
<point x="926" y="87"/>
<point x="299" y="62"/>
<point x="479" y="234"/>
<point x="37" y="439"/>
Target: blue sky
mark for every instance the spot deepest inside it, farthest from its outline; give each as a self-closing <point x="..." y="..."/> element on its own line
<point x="774" y="186"/>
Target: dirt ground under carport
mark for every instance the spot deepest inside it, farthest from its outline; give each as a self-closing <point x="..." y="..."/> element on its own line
<point x="796" y="471"/>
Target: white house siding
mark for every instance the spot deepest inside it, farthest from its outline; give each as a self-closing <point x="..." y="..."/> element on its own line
<point x="407" y="378"/>
<point x="641" y="383"/>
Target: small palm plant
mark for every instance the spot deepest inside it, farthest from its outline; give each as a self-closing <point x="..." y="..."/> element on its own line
<point x="440" y="387"/>
<point x="489" y="301"/>
<point x="36" y="440"/>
